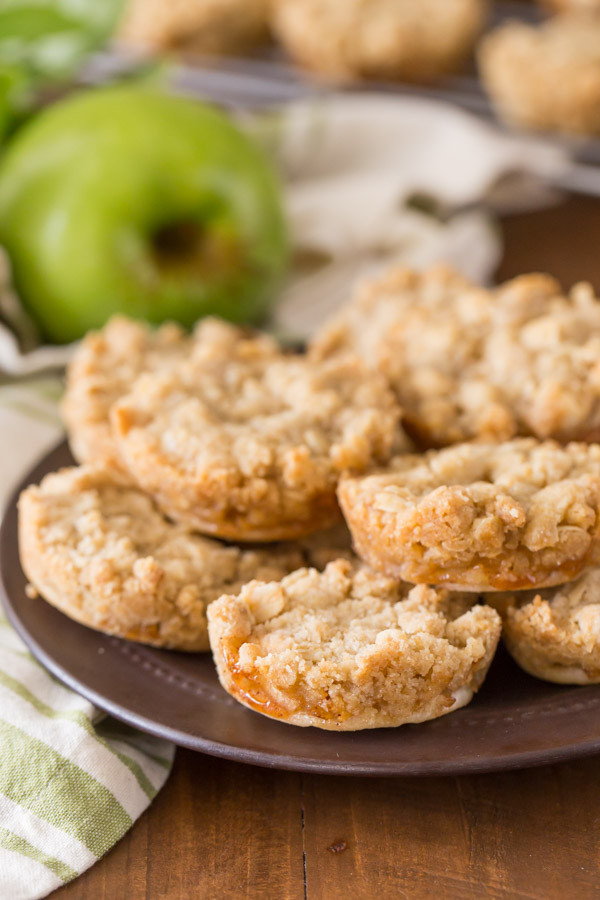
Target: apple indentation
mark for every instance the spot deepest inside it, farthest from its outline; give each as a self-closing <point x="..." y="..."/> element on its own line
<point x="187" y="246"/>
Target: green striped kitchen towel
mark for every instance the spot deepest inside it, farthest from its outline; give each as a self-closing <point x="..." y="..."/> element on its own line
<point x="72" y="780"/>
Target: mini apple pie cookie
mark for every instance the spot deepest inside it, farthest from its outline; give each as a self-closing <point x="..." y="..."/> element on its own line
<point x="102" y="553"/>
<point x="543" y="354"/>
<point x="104" y="367"/>
<point x="545" y="77"/>
<point x="344" y="41"/>
<point x="194" y="26"/>
<point x="555" y="634"/>
<point x="576" y="6"/>
<point x="481" y="517"/>
<point x="246" y="442"/>
<point x="466" y="362"/>
<point x="424" y="332"/>
<point x="349" y="649"/>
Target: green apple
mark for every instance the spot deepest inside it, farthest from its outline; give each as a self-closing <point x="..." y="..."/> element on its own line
<point x="126" y="199"/>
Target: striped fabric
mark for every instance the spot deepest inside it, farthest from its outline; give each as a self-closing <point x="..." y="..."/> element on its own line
<point x="72" y="781"/>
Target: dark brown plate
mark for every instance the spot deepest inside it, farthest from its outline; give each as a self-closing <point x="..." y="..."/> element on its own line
<point x="514" y="721"/>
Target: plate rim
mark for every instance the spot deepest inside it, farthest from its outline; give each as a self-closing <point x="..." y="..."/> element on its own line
<point x="262" y="758"/>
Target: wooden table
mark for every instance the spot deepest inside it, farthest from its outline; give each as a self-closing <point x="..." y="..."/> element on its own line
<point x="222" y="830"/>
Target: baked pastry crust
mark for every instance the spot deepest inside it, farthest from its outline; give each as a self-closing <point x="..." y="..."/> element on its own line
<point x="545" y="77"/>
<point x="246" y="442"/>
<point x="102" y="553"/>
<point x="105" y="365"/>
<point x="349" y="649"/>
<point x="466" y="362"/>
<point x="353" y="39"/>
<point x="576" y="6"/>
<point x="481" y="517"/>
<point x="555" y="634"/>
<point x="194" y="26"/>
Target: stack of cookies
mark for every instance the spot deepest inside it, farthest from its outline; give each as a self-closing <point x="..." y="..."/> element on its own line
<point x="452" y="426"/>
<point x="501" y="391"/>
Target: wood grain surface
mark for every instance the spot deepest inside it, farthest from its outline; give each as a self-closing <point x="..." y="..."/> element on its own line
<point x="223" y="830"/>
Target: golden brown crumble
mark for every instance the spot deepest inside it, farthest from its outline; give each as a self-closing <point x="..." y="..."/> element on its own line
<point x="545" y="76"/>
<point x="247" y="442"/>
<point x="349" y="649"/>
<point x="104" y="366"/>
<point x="466" y="362"/>
<point x="555" y="634"/>
<point x="101" y="552"/>
<point x="354" y="39"/>
<point x="518" y="515"/>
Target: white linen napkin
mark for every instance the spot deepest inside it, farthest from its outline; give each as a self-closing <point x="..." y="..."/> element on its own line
<point x="358" y="170"/>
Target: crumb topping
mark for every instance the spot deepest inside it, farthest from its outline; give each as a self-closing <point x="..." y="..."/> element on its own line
<point x="378" y="38"/>
<point x="555" y="634"/>
<point x="350" y="648"/>
<point x="518" y="510"/>
<point x="466" y="362"/>
<point x="546" y="76"/>
<point x="105" y="365"/>
<point x="101" y="551"/>
<point x="242" y="433"/>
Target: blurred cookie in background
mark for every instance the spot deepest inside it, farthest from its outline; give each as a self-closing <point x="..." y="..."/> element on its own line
<point x="194" y="26"/>
<point x="582" y="6"/>
<point x="384" y="39"/>
<point x="545" y="77"/>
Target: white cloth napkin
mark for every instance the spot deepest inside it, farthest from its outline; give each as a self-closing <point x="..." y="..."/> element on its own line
<point x="353" y="163"/>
